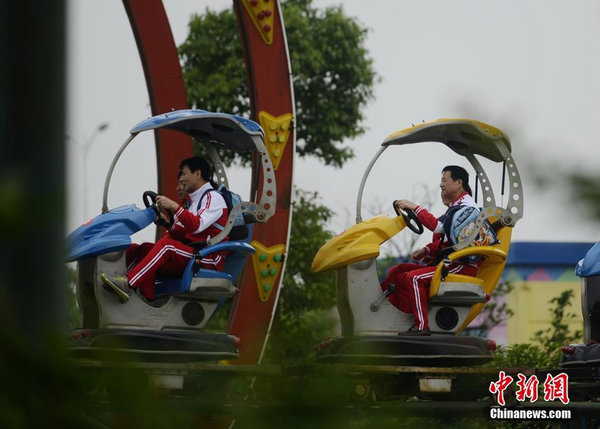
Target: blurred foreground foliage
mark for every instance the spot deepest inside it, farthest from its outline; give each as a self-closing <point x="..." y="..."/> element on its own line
<point x="42" y="387"/>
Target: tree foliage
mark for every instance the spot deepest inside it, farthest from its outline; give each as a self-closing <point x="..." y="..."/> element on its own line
<point x="545" y="353"/>
<point x="333" y="75"/>
<point x="301" y="319"/>
<point x="584" y="187"/>
<point x="305" y="290"/>
<point x="558" y="333"/>
<point x="213" y="68"/>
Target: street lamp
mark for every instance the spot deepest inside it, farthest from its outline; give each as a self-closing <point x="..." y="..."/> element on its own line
<point x="86" y="148"/>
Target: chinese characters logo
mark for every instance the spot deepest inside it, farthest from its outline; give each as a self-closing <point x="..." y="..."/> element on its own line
<point x="555" y="387"/>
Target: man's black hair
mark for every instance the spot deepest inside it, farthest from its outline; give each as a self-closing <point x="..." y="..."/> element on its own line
<point x="456" y="173"/>
<point x="196" y="163"/>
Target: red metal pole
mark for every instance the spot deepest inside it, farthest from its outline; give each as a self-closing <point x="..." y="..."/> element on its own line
<point x="271" y="93"/>
<point x="164" y="79"/>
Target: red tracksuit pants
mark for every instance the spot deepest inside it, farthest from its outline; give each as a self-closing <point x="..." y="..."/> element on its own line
<point x="412" y="288"/>
<point x="166" y="258"/>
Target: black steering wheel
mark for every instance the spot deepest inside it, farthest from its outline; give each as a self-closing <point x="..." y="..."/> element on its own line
<point x="412" y="221"/>
<point x="149" y="198"/>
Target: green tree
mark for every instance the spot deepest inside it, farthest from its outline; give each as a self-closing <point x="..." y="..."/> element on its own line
<point x="585" y="189"/>
<point x="306" y="298"/>
<point x="333" y="75"/>
<point x="545" y="352"/>
<point x="558" y="333"/>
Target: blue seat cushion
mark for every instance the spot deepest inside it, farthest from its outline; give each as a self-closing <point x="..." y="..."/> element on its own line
<point x="172" y="286"/>
<point x="233" y="266"/>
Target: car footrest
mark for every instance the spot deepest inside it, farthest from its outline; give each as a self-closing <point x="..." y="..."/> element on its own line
<point x="210" y="289"/>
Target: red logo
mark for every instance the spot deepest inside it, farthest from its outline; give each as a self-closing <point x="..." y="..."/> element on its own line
<point x="528" y="388"/>
<point x="555" y="387"/>
<point x="500" y="386"/>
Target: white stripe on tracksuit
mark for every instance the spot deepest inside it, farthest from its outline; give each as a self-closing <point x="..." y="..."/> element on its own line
<point x="418" y="294"/>
<point x="156" y="258"/>
<point x="210" y="261"/>
<point x="201" y="226"/>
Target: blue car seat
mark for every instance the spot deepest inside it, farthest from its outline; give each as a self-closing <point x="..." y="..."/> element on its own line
<point x="234" y="264"/>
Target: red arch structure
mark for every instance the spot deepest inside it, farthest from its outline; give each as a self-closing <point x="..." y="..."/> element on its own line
<point x="164" y="80"/>
<point x="270" y="89"/>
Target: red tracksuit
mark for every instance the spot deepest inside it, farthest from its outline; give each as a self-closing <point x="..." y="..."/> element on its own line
<point x="412" y="280"/>
<point x="169" y="256"/>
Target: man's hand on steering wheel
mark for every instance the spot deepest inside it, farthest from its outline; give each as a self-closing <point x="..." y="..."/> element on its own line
<point x="152" y="200"/>
<point x="410" y="218"/>
<point x="405" y="204"/>
<point x="166" y="203"/>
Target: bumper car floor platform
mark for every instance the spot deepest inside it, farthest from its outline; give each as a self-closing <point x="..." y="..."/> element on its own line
<point x="152" y="346"/>
<point x="428" y="350"/>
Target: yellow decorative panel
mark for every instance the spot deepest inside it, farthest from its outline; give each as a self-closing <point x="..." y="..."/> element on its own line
<point x="262" y="13"/>
<point x="267" y="262"/>
<point x="277" y="131"/>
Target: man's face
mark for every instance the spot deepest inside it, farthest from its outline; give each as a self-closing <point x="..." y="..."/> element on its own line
<point x="190" y="180"/>
<point x="446" y="200"/>
<point x="181" y="192"/>
<point x="451" y="189"/>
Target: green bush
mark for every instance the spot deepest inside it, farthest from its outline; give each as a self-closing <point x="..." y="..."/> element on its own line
<point x="545" y="352"/>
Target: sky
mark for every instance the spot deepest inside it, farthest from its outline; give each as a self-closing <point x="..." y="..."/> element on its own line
<point x="529" y="67"/>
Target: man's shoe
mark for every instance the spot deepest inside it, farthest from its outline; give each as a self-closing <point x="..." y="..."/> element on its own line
<point x="118" y="285"/>
<point x="416" y="331"/>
